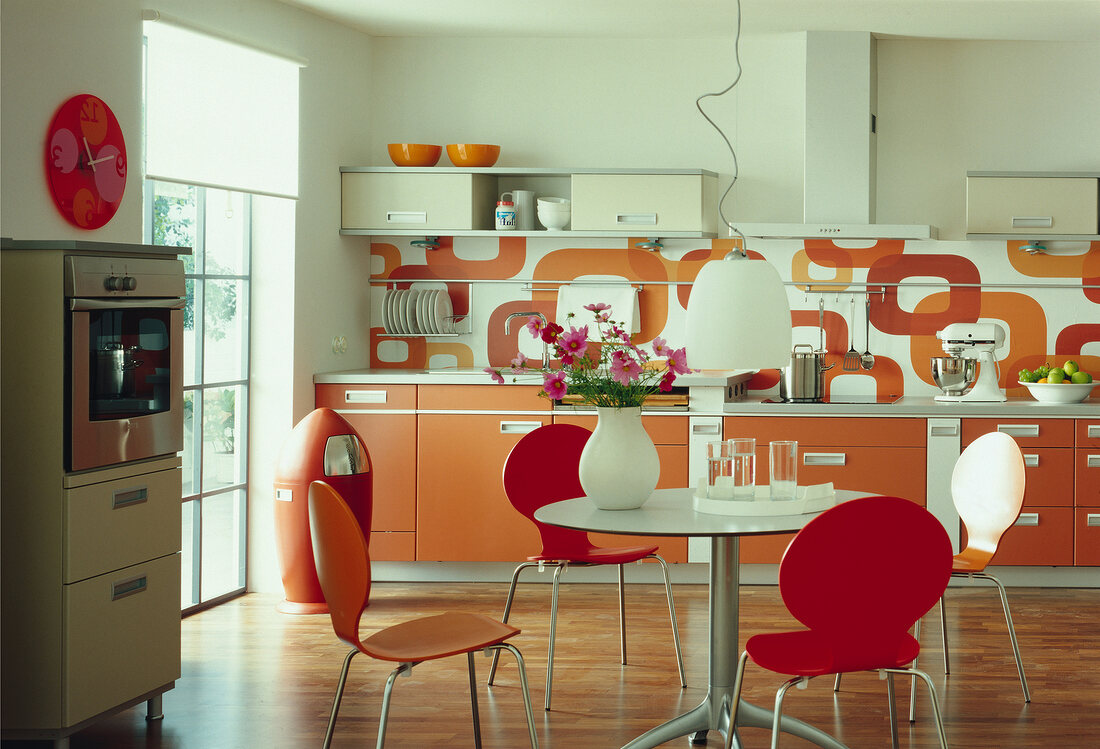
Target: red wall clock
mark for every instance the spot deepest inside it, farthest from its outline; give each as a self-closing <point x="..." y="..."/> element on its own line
<point x="86" y="161"/>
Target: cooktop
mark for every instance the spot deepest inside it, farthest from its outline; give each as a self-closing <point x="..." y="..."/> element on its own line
<point x="842" y="400"/>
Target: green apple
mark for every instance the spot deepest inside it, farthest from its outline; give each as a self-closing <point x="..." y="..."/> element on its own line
<point x="1080" y="378"/>
<point x="1070" y="367"/>
<point x="1056" y="376"/>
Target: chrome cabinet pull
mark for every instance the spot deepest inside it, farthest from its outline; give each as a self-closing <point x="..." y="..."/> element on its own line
<point x="129" y="587"/>
<point x="129" y="497"/>
<point x="519" y="427"/>
<point x="705" y="429"/>
<point x="1094" y="431"/>
<point x="1031" y="461"/>
<point x="365" y="396"/>
<point x="1092" y="461"/>
<point x="636" y="219"/>
<point x="823" y="459"/>
<point x="1092" y="519"/>
<point x="1028" y="518"/>
<point x="406" y="217"/>
<point x="1032" y="222"/>
<point x="1019" y="430"/>
<point x="943" y="430"/>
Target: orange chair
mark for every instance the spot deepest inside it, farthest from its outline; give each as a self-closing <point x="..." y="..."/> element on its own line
<point x="540" y="469"/>
<point x="987" y="487"/>
<point x="857" y="618"/>
<point x="343" y="567"/>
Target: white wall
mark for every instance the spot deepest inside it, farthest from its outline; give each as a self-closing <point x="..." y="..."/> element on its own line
<point x="52" y="50"/>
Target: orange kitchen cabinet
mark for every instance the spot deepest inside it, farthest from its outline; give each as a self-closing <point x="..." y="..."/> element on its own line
<point x="881" y="456"/>
<point x="391" y="441"/>
<point x="670" y="436"/>
<point x="1087" y="464"/>
<point x="1042" y="536"/>
<point x="1026" y="432"/>
<point x="1086" y="537"/>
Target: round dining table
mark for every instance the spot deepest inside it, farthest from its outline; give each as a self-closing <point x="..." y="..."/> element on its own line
<point x="671" y="512"/>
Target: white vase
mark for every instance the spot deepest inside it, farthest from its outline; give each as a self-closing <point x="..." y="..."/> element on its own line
<point x="619" y="465"/>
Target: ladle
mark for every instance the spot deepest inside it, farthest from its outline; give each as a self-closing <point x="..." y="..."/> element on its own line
<point x="867" y="360"/>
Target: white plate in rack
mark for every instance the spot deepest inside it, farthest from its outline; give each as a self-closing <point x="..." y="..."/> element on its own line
<point x="422" y="311"/>
<point x="443" y="313"/>
<point x="400" y="319"/>
<point x="429" y="312"/>
<point x="387" y="303"/>
<point x="410" y="310"/>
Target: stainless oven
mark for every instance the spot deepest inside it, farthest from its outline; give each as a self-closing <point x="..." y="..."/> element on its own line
<point x="125" y="359"/>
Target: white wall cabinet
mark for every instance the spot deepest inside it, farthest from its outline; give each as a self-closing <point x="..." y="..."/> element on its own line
<point x="643" y="203"/>
<point x="1032" y="205"/>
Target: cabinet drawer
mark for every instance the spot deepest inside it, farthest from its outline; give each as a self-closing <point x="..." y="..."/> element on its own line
<point x="1086" y="537"/>
<point x="644" y="203"/>
<point x="392" y="547"/>
<point x="383" y="200"/>
<point x="1087" y="474"/>
<point x="121" y="636"/>
<point x="1031" y="205"/>
<point x="390" y="440"/>
<point x="365" y="397"/>
<point x="481" y="398"/>
<point x="1088" y="434"/>
<point x="1041" y="536"/>
<point x="663" y="430"/>
<point x="828" y="431"/>
<point x="118" y="523"/>
<point x="1048" y="473"/>
<point x="1026" y="432"/>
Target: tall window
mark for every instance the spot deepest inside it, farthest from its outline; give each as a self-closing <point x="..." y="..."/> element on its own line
<point x="216" y="225"/>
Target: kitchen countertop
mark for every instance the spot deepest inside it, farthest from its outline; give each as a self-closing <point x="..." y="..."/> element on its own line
<point x="922" y="406"/>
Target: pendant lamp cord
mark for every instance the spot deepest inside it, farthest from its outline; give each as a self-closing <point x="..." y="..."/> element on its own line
<point x="733" y="153"/>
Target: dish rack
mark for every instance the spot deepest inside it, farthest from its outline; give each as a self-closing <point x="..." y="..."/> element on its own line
<point x="422" y="312"/>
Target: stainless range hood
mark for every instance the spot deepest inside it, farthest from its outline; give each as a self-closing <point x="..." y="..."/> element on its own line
<point x="840" y="152"/>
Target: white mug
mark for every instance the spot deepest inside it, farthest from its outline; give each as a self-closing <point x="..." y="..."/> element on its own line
<point x="525" y="209"/>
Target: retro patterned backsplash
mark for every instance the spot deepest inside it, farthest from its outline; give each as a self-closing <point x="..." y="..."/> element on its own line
<point x="1043" y="301"/>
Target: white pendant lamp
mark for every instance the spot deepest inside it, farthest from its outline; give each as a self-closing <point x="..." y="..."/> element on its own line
<point x="738" y="316"/>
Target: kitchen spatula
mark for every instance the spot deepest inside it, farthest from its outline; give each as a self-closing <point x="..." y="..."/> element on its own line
<point x="851" y="359"/>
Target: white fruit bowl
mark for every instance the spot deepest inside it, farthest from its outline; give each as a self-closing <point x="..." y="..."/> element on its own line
<point x="1060" y="393"/>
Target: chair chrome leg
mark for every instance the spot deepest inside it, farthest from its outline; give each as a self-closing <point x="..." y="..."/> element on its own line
<point x="1011" y="631"/>
<point x="931" y="696"/>
<point x="913" y="685"/>
<point x="672" y="617"/>
<point x="777" y="716"/>
<point x="622" y="618"/>
<point x="836" y="683"/>
<point x="523" y="686"/>
<point x="336" y="700"/>
<point x="386" y="702"/>
<point x="735" y="699"/>
<point x="893" y="710"/>
<point x="507" y="611"/>
<point x="553" y="632"/>
<point x="473" y="700"/>
<point x="943" y="634"/>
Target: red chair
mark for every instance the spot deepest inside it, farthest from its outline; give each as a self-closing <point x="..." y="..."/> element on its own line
<point x="540" y="469"/>
<point x="343" y="567"/>
<point x="858" y="616"/>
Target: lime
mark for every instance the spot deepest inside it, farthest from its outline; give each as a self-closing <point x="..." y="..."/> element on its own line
<point x="1056" y="376"/>
<point x="1071" y="367"/>
<point x="1081" y="378"/>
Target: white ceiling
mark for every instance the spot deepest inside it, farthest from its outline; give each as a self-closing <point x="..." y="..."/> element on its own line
<point x="1068" y="20"/>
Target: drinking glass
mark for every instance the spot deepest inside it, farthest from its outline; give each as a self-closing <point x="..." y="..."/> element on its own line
<point x="743" y="450"/>
<point x="783" y="469"/>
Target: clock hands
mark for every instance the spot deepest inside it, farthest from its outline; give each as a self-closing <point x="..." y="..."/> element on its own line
<point x="93" y="161"/>
<point x="105" y="158"/>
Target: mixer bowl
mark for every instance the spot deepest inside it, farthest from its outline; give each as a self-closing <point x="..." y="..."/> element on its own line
<point x="952" y="374"/>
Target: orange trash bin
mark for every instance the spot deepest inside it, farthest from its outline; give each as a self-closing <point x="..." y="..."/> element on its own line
<point x="323" y="446"/>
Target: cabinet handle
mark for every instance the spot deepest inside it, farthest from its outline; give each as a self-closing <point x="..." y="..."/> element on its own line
<point x="1031" y="461"/>
<point x="1094" y="431"/>
<point x="1019" y="430"/>
<point x="707" y="429"/>
<point x="1028" y="518"/>
<point x="1032" y="222"/>
<point x="365" y="396"/>
<point x="943" y="430"/>
<point x="519" y="427"/>
<point x="128" y="497"/>
<point x="406" y="217"/>
<point x="823" y="459"/>
<point x="1092" y="519"/>
<point x="1092" y="461"/>
<point x="636" y="219"/>
<point x="129" y="587"/>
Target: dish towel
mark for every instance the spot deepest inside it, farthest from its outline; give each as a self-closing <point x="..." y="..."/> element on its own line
<point x="623" y="299"/>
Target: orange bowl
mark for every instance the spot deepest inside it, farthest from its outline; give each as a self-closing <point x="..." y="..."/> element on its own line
<point x="472" y="154"/>
<point x="414" y="154"/>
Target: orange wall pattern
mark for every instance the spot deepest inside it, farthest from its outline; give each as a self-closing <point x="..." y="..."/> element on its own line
<point x="915" y="289"/>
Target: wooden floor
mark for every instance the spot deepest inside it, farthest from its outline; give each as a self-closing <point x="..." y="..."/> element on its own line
<point x="253" y="677"/>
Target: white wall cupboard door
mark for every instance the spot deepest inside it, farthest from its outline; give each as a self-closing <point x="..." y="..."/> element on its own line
<point x="1031" y="206"/>
<point x="648" y="203"/>
<point x="417" y="200"/>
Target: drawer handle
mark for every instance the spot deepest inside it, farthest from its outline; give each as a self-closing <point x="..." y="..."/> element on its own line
<point x="1031" y="461"/>
<point x="1092" y="461"/>
<point x="128" y="497"/>
<point x="1094" y="431"/>
<point x="823" y="459"/>
<point x="704" y="429"/>
<point x="1028" y="518"/>
<point x="1019" y="430"/>
<point x="1032" y="222"/>
<point x="636" y="219"/>
<point x="941" y="430"/>
<point x="519" y="427"/>
<point x="406" y="217"/>
<point x="1092" y="519"/>
<point x="365" y="396"/>
<point x="129" y="587"/>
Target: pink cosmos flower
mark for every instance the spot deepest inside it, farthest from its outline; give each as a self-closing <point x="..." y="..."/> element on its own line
<point x="520" y="362"/>
<point x="597" y="307"/>
<point x="495" y="374"/>
<point x="661" y="347"/>
<point x="534" y="326"/>
<point x="667" y="380"/>
<point x="575" y="342"/>
<point x="551" y="332"/>
<point x="624" y="370"/>
<point x="677" y="361"/>
<point x="553" y="383"/>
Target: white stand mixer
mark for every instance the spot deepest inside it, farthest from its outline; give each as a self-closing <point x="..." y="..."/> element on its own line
<point x="975" y="341"/>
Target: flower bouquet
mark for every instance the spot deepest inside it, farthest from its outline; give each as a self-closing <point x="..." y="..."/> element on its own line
<point x="609" y="373"/>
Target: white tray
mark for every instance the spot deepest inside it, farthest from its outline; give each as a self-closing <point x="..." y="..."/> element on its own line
<point x="807" y="499"/>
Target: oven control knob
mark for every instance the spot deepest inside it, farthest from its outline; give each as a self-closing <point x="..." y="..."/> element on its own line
<point x="129" y="283"/>
<point x="112" y="283"/>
